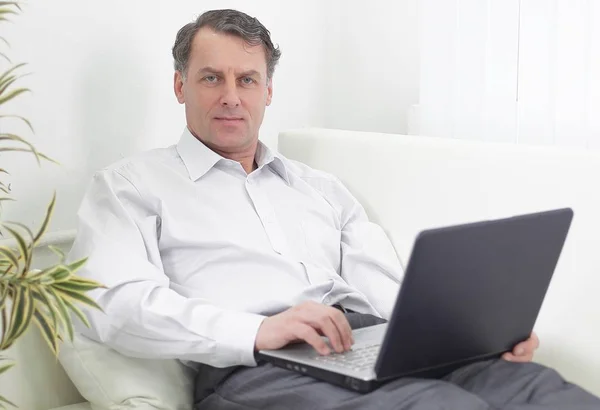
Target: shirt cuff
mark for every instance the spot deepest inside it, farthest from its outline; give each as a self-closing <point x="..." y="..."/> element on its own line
<point x="236" y="332"/>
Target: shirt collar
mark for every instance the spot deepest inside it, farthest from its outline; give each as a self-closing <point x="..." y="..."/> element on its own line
<point x="199" y="159"/>
<point x="264" y="156"/>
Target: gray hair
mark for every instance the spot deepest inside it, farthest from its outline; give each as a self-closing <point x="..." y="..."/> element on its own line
<point x="225" y="21"/>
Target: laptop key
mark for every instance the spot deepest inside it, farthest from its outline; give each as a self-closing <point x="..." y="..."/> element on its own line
<point x="357" y="359"/>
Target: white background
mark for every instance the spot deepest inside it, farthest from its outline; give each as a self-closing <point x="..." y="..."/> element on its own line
<point x="514" y="71"/>
<point x="101" y="75"/>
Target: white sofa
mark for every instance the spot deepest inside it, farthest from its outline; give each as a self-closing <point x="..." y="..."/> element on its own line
<point x="409" y="183"/>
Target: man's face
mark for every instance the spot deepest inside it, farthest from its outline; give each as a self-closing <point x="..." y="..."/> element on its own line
<point x="225" y="92"/>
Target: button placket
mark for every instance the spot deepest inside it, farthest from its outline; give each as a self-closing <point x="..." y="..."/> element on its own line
<point x="267" y="216"/>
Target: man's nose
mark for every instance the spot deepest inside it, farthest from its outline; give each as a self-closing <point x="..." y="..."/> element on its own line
<point x="230" y="96"/>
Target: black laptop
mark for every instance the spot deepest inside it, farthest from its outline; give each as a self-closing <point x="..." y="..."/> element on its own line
<point x="470" y="292"/>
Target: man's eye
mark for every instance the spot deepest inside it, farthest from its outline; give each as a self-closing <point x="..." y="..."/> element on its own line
<point x="210" y="78"/>
<point x="247" y="80"/>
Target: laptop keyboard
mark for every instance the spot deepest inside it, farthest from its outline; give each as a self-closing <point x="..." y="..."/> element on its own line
<point x="358" y="359"/>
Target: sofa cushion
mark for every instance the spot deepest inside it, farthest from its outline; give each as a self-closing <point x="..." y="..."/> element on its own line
<point x="110" y="380"/>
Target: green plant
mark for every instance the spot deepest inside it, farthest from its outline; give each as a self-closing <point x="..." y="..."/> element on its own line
<point x="45" y="297"/>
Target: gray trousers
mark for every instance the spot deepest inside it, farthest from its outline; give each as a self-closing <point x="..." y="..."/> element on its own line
<point x="488" y="385"/>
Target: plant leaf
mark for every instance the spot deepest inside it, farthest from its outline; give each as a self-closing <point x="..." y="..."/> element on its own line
<point x="5" y="400"/>
<point x="22" y="312"/>
<point x="78" y="287"/>
<point x="5" y="367"/>
<point x="75" y="266"/>
<point x="44" y="301"/>
<point x="86" y="281"/>
<point x="46" y="221"/>
<point x="48" y="332"/>
<point x="3" y="296"/>
<point x="5" y="57"/>
<point x="9" y="149"/>
<point x="77" y="312"/>
<point x="57" y="251"/>
<point x="4" y="317"/>
<point x="13" y="94"/>
<point x="29" y="310"/>
<point x="23" y="248"/>
<point x="18" y="117"/>
<point x="8" y="81"/>
<point x="59" y="311"/>
<point x="10" y="3"/>
<point x="16" y="317"/>
<point x="13" y="137"/>
<point x="6" y="10"/>
<point x="9" y="71"/>
<point x="77" y="296"/>
<point x="6" y="251"/>
<point x="22" y="226"/>
<point x="60" y="274"/>
<point x="34" y="276"/>
<point x="63" y="311"/>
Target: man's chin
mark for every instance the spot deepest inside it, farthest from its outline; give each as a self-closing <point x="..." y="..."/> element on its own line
<point x="226" y="140"/>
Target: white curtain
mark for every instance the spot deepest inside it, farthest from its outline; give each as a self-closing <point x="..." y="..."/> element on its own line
<point x="523" y="71"/>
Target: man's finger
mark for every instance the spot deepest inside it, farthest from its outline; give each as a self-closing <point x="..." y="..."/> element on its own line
<point x="517" y="359"/>
<point x="536" y="340"/>
<point x="508" y="357"/>
<point x="344" y="328"/>
<point x="310" y="336"/>
<point x="326" y="325"/>
<point x="525" y="348"/>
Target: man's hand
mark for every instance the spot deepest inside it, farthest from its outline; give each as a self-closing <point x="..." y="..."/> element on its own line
<point x="307" y="322"/>
<point x="523" y="352"/>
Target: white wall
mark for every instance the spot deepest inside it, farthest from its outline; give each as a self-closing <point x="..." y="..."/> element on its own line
<point x="102" y="81"/>
<point x="372" y="65"/>
<point x="516" y="71"/>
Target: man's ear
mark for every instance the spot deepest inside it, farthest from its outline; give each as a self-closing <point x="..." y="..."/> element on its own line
<point x="178" y="86"/>
<point x="269" y="91"/>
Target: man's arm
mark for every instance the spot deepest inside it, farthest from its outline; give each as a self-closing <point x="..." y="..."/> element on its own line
<point x="143" y="317"/>
<point x="368" y="260"/>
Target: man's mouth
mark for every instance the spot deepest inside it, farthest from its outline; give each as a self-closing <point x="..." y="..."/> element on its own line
<point x="229" y="119"/>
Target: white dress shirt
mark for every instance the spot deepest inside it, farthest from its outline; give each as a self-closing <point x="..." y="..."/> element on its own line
<point x="195" y="253"/>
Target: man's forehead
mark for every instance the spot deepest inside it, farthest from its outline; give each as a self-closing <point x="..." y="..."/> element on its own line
<point x="218" y="44"/>
<point x="225" y="52"/>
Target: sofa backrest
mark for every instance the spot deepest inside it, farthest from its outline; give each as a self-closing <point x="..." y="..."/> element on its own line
<point x="410" y="183"/>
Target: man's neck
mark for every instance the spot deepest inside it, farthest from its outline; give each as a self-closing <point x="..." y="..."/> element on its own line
<point x="245" y="158"/>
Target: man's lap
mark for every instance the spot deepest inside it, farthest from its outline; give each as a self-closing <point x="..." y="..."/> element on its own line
<point x="489" y="385"/>
<point x="486" y="385"/>
<point x="269" y="387"/>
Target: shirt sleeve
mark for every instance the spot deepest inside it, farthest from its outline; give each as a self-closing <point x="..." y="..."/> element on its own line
<point x="142" y="316"/>
<point x="369" y="261"/>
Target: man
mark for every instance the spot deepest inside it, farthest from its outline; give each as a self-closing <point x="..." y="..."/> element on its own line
<point x="217" y="247"/>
